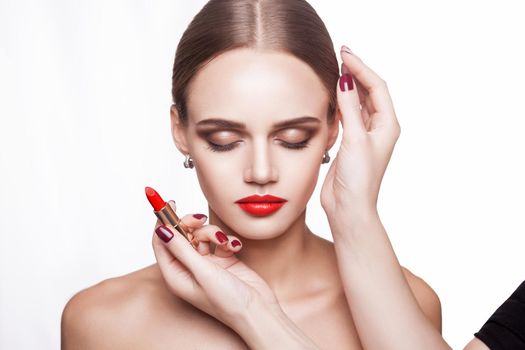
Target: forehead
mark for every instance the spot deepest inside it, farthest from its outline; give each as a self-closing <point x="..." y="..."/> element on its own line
<point x="254" y="86"/>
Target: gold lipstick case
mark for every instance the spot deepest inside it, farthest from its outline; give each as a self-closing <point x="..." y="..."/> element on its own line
<point x="167" y="216"/>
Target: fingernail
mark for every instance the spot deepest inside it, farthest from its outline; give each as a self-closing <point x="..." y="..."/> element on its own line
<point x="221" y="236"/>
<point x="345" y="82"/>
<point x="199" y="216"/>
<point x="346" y="49"/>
<point x="164" y="233"/>
<point x="235" y="243"/>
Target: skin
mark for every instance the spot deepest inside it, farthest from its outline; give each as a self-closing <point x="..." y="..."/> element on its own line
<point x="142" y="310"/>
<point x="367" y="262"/>
<point x="383" y="307"/>
<point x="259" y="164"/>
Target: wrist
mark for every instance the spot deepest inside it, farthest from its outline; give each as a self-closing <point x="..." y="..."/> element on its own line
<point x="342" y="211"/>
<point x="263" y="325"/>
<point x="348" y="225"/>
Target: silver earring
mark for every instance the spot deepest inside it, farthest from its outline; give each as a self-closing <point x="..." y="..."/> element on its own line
<point x="326" y="157"/>
<point x="188" y="162"/>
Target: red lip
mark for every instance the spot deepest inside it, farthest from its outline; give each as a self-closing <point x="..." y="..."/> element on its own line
<point x="261" y="205"/>
<point x="267" y="198"/>
<point x="261" y="208"/>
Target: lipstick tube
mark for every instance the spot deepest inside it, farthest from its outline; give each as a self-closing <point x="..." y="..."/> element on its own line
<point x="167" y="215"/>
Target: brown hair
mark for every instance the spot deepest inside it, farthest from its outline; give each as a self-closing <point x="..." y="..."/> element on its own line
<point x="290" y="26"/>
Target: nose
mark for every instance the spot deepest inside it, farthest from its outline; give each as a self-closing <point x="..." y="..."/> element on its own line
<point x="260" y="166"/>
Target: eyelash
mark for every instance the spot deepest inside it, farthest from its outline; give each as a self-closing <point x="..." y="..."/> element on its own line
<point x="223" y="148"/>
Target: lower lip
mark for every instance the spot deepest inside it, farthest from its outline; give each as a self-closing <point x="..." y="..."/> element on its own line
<point x="261" y="209"/>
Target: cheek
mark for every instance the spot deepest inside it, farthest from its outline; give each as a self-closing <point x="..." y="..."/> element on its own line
<point x="214" y="175"/>
<point x="300" y="178"/>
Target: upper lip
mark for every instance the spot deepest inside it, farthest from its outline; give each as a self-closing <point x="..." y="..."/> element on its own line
<point x="267" y="198"/>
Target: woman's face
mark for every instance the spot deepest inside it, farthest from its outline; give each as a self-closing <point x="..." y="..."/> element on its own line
<point x="256" y="90"/>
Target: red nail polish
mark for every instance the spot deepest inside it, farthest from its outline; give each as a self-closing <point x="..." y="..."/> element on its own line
<point x="221" y="236"/>
<point x="235" y="243"/>
<point x="164" y="233"/>
<point x="199" y="216"/>
<point x="346" y="81"/>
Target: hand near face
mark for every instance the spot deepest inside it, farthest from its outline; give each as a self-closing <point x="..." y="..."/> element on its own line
<point x="217" y="283"/>
<point x="370" y="131"/>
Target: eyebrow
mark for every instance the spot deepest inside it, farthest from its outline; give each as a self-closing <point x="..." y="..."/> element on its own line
<point x="225" y="123"/>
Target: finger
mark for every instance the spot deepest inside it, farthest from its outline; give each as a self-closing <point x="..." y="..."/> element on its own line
<point x="211" y="233"/>
<point x="225" y="250"/>
<point x="180" y="279"/>
<point x="366" y="102"/>
<point x="349" y="104"/>
<point x="202" y="247"/>
<point x="190" y="222"/>
<point x="374" y="85"/>
<point x="174" y="207"/>
<point x="209" y="278"/>
<point x="181" y="249"/>
<point x="366" y="107"/>
<point x="204" y="235"/>
<point x="362" y="94"/>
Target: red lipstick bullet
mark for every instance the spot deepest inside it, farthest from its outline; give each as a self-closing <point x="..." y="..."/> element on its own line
<point x="166" y="215"/>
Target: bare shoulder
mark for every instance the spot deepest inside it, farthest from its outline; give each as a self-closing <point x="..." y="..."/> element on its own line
<point x="426" y="297"/>
<point x="105" y="315"/>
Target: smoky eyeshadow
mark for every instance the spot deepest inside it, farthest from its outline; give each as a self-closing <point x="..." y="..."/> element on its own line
<point x="207" y="132"/>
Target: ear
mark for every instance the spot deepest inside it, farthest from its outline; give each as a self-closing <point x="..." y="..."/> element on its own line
<point x="178" y="131"/>
<point x="333" y="129"/>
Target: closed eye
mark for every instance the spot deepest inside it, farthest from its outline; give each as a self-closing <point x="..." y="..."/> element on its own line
<point x="224" y="148"/>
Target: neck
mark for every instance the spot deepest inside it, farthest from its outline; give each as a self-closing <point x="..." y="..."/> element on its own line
<point x="282" y="260"/>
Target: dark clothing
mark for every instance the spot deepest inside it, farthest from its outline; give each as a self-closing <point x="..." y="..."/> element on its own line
<point x="505" y="329"/>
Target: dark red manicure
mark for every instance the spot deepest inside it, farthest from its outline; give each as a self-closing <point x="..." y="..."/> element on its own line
<point x="346" y="79"/>
<point x="164" y="233"/>
<point x="199" y="216"/>
<point x="235" y="243"/>
<point x="221" y="236"/>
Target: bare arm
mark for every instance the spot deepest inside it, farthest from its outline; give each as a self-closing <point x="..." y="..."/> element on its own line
<point x="263" y="327"/>
<point x="426" y="297"/>
<point x="383" y="306"/>
<point x="476" y="344"/>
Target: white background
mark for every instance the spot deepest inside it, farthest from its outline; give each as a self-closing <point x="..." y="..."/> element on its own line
<point x="84" y="108"/>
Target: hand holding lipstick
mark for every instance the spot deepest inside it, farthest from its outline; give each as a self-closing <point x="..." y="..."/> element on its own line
<point x="215" y="282"/>
<point x="226" y="289"/>
<point x="202" y="235"/>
